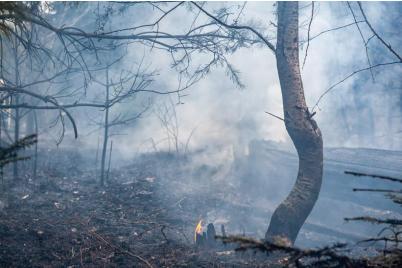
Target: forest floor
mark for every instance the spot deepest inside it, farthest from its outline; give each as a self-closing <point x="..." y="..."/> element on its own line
<point x="137" y="220"/>
<point x="146" y="214"/>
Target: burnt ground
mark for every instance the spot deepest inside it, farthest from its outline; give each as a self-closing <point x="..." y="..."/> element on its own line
<point x="146" y="214"/>
<point x="138" y="220"/>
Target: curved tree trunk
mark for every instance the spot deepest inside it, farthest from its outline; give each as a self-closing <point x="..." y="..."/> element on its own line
<point x="291" y="214"/>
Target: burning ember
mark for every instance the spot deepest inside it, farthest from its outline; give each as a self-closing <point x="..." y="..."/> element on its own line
<point x="205" y="238"/>
<point x="198" y="230"/>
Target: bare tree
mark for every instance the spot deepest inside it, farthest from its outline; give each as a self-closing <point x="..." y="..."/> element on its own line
<point x="291" y="214"/>
<point x="16" y="101"/>
<point x="106" y="129"/>
<point x="118" y="92"/>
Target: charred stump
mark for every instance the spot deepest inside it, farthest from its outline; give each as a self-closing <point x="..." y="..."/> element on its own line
<point x="207" y="239"/>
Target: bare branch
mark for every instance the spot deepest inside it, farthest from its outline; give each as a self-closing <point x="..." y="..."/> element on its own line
<point x="44" y="99"/>
<point x="376" y="190"/>
<point x="363" y="39"/>
<point x="349" y="76"/>
<point x="359" y="174"/>
<point x="375" y="220"/>
<point x="236" y="27"/>
<point x="377" y="35"/>
<point x="280" y="118"/>
<point x="308" y="32"/>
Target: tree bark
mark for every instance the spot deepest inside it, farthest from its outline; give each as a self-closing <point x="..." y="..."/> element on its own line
<point x="291" y="214"/>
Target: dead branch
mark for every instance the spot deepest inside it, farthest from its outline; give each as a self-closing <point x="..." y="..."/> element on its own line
<point x="326" y="255"/>
<point x="373" y="220"/>
<point x="278" y="117"/>
<point x="44" y="99"/>
<point x="377" y="35"/>
<point x="308" y="33"/>
<point x="99" y="237"/>
<point x="376" y="190"/>
<point x="362" y="36"/>
<point x="332" y="29"/>
<point x="349" y="76"/>
<point x="359" y="174"/>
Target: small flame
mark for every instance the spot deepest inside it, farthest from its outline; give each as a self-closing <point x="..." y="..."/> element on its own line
<point x="198" y="230"/>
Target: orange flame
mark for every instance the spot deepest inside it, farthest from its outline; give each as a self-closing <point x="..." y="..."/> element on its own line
<point x="198" y="230"/>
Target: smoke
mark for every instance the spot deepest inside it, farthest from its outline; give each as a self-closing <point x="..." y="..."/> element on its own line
<point x="359" y="112"/>
<point x="226" y="121"/>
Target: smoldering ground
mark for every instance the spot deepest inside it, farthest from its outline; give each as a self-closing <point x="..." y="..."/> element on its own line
<point x="219" y="157"/>
<point x="216" y="113"/>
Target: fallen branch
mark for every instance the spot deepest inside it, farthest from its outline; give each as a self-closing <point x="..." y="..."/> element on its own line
<point x="377" y="190"/>
<point x="99" y="237"/>
<point x="324" y="257"/>
<point x="375" y="220"/>
<point x="359" y="174"/>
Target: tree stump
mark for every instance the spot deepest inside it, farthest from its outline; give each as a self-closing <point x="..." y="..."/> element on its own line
<point x="206" y="239"/>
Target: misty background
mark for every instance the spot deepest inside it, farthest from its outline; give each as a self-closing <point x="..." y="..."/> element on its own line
<point x="360" y="112"/>
<point x="239" y="143"/>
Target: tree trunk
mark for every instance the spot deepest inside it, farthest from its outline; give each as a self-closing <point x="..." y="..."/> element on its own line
<point x="35" y="163"/>
<point x="110" y="160"/>
<point x="106" y="130"/>
<point x="16" y="112"/>
<point x="291" y="214"/>
<point x="16" y="134"/>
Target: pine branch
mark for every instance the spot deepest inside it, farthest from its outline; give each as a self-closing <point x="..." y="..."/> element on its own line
<point x="10" y="154"/>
